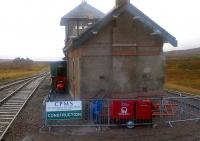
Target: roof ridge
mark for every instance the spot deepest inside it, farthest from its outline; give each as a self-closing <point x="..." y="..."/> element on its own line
<point x="82" y="10"/>
<point x="167" y="37"/>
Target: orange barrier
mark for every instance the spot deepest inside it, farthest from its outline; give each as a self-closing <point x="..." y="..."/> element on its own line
<point x="166" y="111"/>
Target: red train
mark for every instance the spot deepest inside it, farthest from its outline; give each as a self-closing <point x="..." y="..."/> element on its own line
<point x="59" y="79"/>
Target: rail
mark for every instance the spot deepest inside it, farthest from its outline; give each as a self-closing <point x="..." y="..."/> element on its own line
<point x="13" y="104"/>
<point x="9" y="84"/>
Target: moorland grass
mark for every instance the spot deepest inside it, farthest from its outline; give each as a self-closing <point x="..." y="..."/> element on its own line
<point x="11" y="71"/>
<point x="183" y="74"/>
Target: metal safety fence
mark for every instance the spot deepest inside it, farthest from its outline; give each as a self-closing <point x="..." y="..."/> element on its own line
<point x="120" y="112"/>
<point x="180" y="109"/>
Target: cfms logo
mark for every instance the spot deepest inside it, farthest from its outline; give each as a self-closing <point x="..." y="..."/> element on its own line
<point x="63" y="103"/>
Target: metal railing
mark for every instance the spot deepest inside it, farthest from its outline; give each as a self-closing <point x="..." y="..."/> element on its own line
<point x="130" y="112"/>
<point x="183" y="109"/>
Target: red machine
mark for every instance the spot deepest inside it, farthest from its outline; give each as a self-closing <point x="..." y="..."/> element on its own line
<point x="143" y="111"/>
<point x="122" y="110"/>
<point x="61" y="83"/>
<point x="131" y="112"/>
<point x="59" y="76"/>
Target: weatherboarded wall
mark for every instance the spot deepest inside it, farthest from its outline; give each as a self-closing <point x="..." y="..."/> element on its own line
<point x="121" y="60"/>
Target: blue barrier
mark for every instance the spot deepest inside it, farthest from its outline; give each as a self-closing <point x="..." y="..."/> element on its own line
<point x="96" y="109"/>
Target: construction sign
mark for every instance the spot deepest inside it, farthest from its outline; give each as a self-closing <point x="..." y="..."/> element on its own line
<point x="63" y="110"/>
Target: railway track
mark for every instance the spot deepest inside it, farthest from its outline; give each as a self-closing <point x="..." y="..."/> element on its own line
<point x="13" y="83"/>
<point x="13" y="103"/>
<point x="12" y="87"/>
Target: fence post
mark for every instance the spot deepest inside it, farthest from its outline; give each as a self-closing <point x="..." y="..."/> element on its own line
<point x="161" y="110"/>
<point x="108" y="102"/>
<point x="44" y="113"/>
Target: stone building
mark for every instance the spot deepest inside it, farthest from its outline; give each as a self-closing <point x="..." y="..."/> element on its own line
<point x="119" y="55"/>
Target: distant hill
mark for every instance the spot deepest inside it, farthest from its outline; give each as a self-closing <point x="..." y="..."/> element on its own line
<point x="5" y="60"/>
<point x="183" y="53"/>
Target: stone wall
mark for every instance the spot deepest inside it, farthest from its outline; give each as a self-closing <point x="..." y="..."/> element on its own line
<point x="122" y="58"/>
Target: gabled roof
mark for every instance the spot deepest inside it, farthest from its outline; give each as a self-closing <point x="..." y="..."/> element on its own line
<point x="82" y="11"/>
<point x="167" y="38"/>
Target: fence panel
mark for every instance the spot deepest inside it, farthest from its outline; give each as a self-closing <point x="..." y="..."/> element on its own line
<point x="125" y="112"/>
<point x="182" y="108"/>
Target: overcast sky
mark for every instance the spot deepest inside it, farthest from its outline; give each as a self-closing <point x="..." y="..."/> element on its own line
<point x="30" y="28"/>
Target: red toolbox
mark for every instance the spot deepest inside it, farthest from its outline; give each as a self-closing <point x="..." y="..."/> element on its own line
<point x="143" y="110"/>
<point x="122" y="110"/>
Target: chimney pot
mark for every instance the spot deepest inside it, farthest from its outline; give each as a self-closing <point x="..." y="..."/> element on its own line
<point x="121" y="2"/>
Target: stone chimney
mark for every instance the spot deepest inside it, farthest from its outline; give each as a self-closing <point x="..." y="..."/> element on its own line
<point x="121" y="2"/>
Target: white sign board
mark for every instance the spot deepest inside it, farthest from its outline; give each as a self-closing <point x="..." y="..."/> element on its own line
<point x="63" y="110"/>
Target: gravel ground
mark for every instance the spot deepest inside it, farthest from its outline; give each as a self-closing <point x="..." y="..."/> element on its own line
<point x="29" y="123"/>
